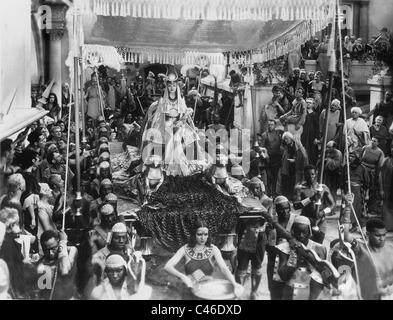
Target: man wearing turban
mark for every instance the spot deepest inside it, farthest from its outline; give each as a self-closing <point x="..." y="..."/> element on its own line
<point x="302" y="280"/>
<point x="121" y="283"/>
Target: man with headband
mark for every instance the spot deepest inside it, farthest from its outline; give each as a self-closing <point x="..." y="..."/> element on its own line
<point x="316" y="202"/>
<point x="117" y="242"/>
<point x="121" y="283"/>
<point x="279" y="231"/>
<point x="302" y="281"/>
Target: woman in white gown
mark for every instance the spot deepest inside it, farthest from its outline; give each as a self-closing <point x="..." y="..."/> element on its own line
<point x="171" y="132"/>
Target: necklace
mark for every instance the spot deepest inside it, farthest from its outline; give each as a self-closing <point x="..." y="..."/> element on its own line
<point x="200" y="250"/>
<point x="200" y="254"/>
<point x="172" y="102"/>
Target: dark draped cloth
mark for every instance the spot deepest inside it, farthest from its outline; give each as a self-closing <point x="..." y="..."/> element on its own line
<point x="311" y="132"/>
<point x="175" y="206"/>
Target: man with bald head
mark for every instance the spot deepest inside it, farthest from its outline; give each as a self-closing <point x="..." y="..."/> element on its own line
<point x="99" y="235"/>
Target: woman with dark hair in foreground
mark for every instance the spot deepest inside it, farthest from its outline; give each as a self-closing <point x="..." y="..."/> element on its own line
<point x="199" y="256"/>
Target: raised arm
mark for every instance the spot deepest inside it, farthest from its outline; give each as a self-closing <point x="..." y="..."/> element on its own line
<point x="67" y="255"/>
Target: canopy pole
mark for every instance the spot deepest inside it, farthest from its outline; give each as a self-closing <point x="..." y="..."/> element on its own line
<point x="196" y="98"/>
<point x="77" y="139"/>
<point x="67" y="158"/>
<point x="78" y="196"/>
<point x="82" y="95"/>
<point x="332" y="70"/>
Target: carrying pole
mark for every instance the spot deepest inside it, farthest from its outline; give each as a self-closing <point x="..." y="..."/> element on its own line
<point x="332" y="70"/>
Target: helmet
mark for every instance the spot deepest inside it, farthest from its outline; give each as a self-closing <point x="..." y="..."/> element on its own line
<point x="280" y="200"/>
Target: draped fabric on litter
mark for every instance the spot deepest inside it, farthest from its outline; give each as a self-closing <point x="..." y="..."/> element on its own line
<point x="181" y="200"/>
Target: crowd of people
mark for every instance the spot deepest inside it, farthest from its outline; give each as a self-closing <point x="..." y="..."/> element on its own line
<point x="61" y="240"/>
<point x="353" y="49"/>
<point x="49" y="249"/>
<point x="304" y="118"/>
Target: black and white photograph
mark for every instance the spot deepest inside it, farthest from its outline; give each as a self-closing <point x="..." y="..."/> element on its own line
<point x="218" y="151"/>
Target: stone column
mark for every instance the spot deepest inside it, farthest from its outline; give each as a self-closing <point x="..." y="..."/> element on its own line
<point x="378" y="85"/>
<point x="56" y="32"/>
<point x="356" y="15"/>
<point x="364" y="21"/>
<point x="55" y="62"/>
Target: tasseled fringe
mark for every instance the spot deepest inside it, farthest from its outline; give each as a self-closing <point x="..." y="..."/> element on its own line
<point x="316" y="19"/>
<point x="133" y="55"/>
<point x="215" y="9"/>
<point x="107" y="55"/>
<point x="281" y="46"/>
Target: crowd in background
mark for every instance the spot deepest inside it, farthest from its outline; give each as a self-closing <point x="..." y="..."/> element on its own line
<point x="284" y="158"/>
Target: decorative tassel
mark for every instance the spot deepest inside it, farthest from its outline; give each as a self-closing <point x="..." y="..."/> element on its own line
<point x="134" y="10"/>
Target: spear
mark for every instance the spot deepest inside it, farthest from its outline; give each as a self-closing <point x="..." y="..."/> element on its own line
<point x="76" y="50"/>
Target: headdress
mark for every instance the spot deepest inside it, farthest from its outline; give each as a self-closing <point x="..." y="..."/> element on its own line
<point x="257" y="182"/>
<point x="104" y="165"/>
<point x="288" y="135"/>
<point x="280" y="200"/>
<point x="119" y="228"/>
<point x="115" y="261"/>
<point x="104" y="156"/>
<point x="106" y="182"/>
<point x="107" y="209"/>
<point x="111" y="197"/>
<point x="336" y="103"/>
<point x="302" y="220"/>
<point x="45" y="189"/>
